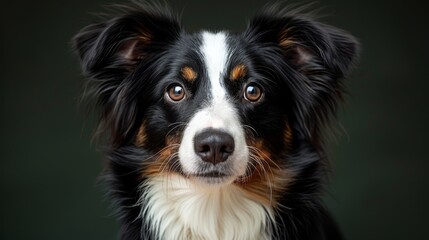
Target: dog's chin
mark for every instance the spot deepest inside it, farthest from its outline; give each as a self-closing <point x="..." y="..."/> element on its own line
<point x="212" y="179"/>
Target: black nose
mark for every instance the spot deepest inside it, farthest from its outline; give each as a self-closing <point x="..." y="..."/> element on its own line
<point x="213" y="146"/>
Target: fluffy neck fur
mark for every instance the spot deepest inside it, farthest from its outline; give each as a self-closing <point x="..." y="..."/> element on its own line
<point x="175" y="208"/>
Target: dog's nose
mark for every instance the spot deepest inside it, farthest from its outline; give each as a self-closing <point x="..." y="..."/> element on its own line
<point x="213" y="146"/>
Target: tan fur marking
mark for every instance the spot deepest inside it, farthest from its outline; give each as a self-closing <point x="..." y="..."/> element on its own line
<point x="144" y="36"/>
<point x="189" y="74"/>
<point x="286" y="40"/>
<point x="141" y="135"/>
<point x="288" y="136"/>
<point x="267" y="180"/>
<point x="161" y="163"/>
<point x="238" y="72"/>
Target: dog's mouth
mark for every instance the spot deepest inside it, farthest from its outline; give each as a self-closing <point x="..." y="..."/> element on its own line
<point x="211" y="174"/>
<point x="213" y="178"/>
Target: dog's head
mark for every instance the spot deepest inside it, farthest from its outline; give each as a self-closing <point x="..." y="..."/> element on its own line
<point x="218" y="108"/>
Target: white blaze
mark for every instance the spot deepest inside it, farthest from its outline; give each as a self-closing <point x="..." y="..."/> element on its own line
<point x="219" y="113"/>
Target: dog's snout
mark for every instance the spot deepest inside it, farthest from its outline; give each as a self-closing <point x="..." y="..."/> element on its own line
<point x="213" y="146"/>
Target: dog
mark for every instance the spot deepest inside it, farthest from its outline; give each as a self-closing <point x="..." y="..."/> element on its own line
<point x="216" y="135"/>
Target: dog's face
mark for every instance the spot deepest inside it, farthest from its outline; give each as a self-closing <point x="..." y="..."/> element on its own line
<point x="212" y="109"/>
<point x="221" y="99"/>
<point x="217" y="108"/>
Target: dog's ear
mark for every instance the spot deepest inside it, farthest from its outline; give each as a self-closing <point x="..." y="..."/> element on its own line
<point x="116" y="46"/>
<point x="111" y="51"/>
<point x="317" y="58"/>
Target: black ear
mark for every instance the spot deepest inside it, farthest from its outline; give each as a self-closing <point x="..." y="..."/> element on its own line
<point x="117" y="45"/>
<point x="305" y="41"/>
<point x="316" y="58"/>
<point x="111" y="51"/>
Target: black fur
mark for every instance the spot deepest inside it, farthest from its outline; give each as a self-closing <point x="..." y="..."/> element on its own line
<point x="302" y="80"/>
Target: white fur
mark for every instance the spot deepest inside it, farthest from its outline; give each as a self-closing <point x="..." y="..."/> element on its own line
<point x="215" y="52"/>
<point x="178" y="209"/>
<point x="219" y="112"/>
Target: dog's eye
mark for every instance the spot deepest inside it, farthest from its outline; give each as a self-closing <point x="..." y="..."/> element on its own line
<point x="252" y="92"/>
<point x="175" y="93"/>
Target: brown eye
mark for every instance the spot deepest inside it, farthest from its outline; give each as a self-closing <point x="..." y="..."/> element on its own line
<point x="176" y="93"/>
<point x="252" y="93"/>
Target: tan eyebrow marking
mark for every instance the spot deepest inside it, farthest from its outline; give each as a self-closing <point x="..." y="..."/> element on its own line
<point x="189" y="74"/>
<point x="238" y="72"/>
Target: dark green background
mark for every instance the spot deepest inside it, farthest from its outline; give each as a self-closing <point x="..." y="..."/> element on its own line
<point x="49" y="169"/>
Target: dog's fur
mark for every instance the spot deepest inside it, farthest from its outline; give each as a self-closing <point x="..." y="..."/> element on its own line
<point x="265" y="95"/>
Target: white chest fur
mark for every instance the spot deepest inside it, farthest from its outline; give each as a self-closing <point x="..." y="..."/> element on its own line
<point x="175" y="208"/>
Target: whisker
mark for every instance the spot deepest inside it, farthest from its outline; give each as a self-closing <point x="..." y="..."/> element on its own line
<point x="264" y="156"/>
<point x="258" y="157"/>
<point x="252" y="130"/>
<point x="249" y="169"/>
<point x="176" y="125"/>
<point x="155" y="156"/>
<point x="164" y="163"/>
